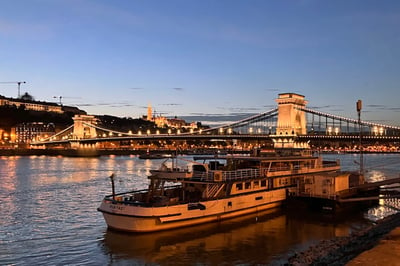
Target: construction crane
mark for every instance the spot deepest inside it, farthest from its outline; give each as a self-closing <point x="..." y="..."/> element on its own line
<point x="63" y="97"/>
<point x="15" y="82"/>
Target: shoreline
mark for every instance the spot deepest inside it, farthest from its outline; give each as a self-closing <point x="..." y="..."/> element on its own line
<point x="105" y="152"/>
<point x="357" y="248"/>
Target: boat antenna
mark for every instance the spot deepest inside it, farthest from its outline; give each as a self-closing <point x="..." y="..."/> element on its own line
<point x="112" y="185"/>
<point x="359" y="107"/>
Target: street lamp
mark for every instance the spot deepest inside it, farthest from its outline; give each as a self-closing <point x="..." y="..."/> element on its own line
<point x="359" y="107"/>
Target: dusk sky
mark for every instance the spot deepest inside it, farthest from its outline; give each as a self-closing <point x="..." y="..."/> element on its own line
<point x="208" y="58"/>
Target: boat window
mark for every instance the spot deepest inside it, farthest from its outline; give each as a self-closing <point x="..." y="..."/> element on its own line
<point x="215" y="165"/>
<point x="247" y="185"/>
<point x="264" y="183"/>
<point x="308" y="181"/>
<point x="256" y="184"/>
<point x="239" y="186"/>
<point x="199" y="167"/>
<point x="229" y="203"/>
<point x="283" y="181"/>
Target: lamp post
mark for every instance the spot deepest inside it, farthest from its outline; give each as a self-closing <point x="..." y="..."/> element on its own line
<point x="359" y="107"/>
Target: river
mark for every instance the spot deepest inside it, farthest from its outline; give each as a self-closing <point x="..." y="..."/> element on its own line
<point x="48" y="216"/>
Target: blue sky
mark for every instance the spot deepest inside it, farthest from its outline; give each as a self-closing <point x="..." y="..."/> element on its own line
<point x="207" y="58"/>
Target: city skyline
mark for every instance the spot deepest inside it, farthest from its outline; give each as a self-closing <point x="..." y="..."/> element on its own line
<point x="204" y="59"/>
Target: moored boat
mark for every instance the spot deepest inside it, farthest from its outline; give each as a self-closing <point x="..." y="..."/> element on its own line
<point x="215" y="189"/>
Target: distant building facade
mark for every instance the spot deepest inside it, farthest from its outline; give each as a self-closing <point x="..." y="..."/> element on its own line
<point x="26" y="132"/>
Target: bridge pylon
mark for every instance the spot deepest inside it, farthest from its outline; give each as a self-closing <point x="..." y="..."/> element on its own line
<point x="291" y="121"/>
<point x="82" y="130"/>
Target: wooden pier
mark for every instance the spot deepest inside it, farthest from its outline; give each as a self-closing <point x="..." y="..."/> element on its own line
<point x="374" y="186"/>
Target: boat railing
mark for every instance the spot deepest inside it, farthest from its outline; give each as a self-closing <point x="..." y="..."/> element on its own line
<point x="203" y="176"/>
<point x="252" y="173"/>
<point x="249" y="173"/>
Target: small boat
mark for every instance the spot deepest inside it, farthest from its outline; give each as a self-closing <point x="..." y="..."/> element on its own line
<point x="217" y="188"/>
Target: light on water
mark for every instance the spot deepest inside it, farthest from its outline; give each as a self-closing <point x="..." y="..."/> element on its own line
<point x="49" y="216"/>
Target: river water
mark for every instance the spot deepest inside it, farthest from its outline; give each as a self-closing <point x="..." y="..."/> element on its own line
<point x="48" y="216"/>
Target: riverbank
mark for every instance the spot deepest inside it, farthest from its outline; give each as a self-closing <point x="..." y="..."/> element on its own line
<point x="387" y="252"/>
<point x="346" y="250"/>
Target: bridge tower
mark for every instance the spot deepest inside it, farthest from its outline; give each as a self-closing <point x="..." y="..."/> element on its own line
<point x="291" y="121"/>
<point x="81" y="128"/>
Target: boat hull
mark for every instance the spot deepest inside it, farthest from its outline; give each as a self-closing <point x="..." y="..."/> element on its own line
<point x="130" y="218"/>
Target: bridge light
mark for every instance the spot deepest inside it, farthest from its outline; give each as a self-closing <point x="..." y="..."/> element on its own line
<point x="158" y="132"/>
<point x="221" y="130"/>
<point x="104" y="135"/>
<point x="336" y="130"/>
<point x="329" y="130"/>
<point x="259" y="130"/>
<point x="230" y="130"/>
<point x="375" y="130"/>
<point x="130" y="132"/>
<point x="251" y="130"/>
<point x="119" y="135"/>
<point x="169" y="131"/>
<point x="381" y="131"/>
<point x="148" y="132"/>
<point x="178" y="132"/>
<point x="139" y="132"/>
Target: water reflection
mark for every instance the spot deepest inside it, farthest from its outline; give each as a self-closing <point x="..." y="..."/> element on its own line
<point x="385" y="208"/>
<point x="254" y="239"/>
<point x="48" y="214"/>
<point x="182" y="245"/>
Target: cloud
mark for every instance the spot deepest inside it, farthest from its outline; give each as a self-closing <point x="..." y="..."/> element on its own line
<point x="110" y="104"/>
<point x="171" y="104"/>
<point x="215" y="117"/>
<point x="273" y="90"/>
<point x="323" y="107"/>
<point x="244" y="110"/>
<point x="383" y="107"/>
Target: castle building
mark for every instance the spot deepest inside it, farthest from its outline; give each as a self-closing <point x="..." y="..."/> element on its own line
<point x="31" y="105"/>
<point x="162" y="121"/>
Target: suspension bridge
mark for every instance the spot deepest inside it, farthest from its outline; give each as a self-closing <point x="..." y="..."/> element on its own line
<point x="290" y="120"/>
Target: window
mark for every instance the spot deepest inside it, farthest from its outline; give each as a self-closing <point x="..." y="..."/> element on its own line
<point x="239" y="186"/>
<point x="256" y="184"/>
<point x="247" y="185"/>
<point x="263" y="183"/>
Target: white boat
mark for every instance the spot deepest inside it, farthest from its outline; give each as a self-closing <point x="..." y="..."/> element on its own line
<point x="216" y="189"/>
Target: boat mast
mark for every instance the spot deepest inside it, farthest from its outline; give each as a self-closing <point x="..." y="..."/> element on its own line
<point x="112" y="185"/>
